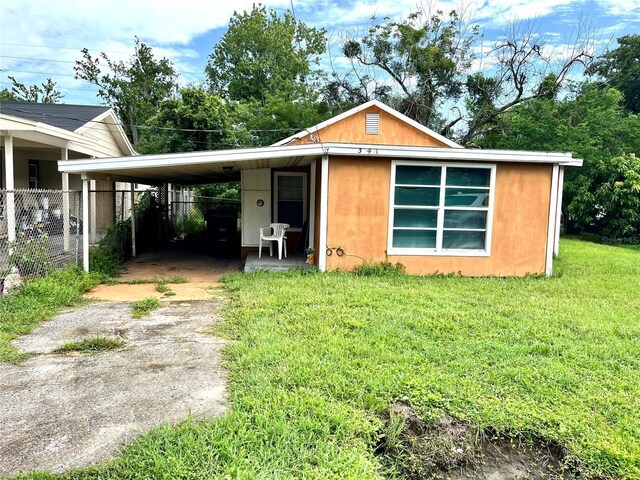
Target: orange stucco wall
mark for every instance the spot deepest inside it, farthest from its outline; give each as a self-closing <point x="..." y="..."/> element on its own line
<point x="358" y="217"/>
<point x="392" y="132"/>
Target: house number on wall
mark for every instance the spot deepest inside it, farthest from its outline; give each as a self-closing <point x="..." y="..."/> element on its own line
<point x="260" y="202"/>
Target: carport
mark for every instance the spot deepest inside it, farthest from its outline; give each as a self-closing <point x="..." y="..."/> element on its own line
<point x="254" y="167"/>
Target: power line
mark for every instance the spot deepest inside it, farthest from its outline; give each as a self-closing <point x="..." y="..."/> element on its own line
<point x="38" y="73"/>
<point x="54" y="47"/>
<point x="37" y="59"/>
<point x="153" y="127"/>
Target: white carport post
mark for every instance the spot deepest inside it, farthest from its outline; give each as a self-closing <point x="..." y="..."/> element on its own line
<point x="133" y="219"/>
<point x="85" y="222"/>
<point x="324" y="207"/>
<point x="66" y="221"/>
<point x="10" y="186"/>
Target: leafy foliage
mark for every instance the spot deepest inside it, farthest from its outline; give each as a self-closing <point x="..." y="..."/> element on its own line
<point x="134" y="88"/>
<point x="601" y="196"/>
<point x="196" y="120"/>
<point x="43" y="93"/>
<point x="30" y="254"/>
<point x="425" y="55"/>
<point x="262" y="53"/>
<point x="620" y="68"/>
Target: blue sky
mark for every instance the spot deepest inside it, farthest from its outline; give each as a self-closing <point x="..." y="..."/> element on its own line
<point x="42" y="38"/>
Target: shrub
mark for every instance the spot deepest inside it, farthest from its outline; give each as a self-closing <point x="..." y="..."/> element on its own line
<point x="380" y="269"/>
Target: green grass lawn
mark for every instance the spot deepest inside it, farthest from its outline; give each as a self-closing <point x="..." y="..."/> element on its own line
<point x="39" y="300"/>
<point x="316" y="356"/>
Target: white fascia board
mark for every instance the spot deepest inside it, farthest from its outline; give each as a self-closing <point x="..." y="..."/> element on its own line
<point x="315" y="150"/>
<point x="438" y="153"/>
<point x="189" y="158"/>
<point x="364" y="106"/>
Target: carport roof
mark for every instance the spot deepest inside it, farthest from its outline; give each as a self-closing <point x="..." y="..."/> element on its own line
<point x="224" y="165"/>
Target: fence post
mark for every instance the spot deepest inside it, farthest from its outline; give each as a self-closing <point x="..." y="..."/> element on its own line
<point x="66" y="221"/>
<point x="9" y="183"/>
<point x="78" y="199"/>
<point x="133" y="219"/>
<point x="85" y="222"/>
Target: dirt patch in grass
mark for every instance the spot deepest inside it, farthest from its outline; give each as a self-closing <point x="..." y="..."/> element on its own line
<point x="450" y="449"/>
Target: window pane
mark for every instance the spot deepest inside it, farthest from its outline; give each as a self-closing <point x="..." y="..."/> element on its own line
<point x="468" y="177"/>
<point x="427" y="197"/>
<point x="290" y="201"/>
<point x="403" y="217"/>
<point x="465" y="219"/>
<point x="290" y="187"/>
<point x="466" y="197"/>
<point x="463" y="240"/>
<point x="414" y="238"/>
<point x="418" y="175"/>
<point x="291" y="213"/>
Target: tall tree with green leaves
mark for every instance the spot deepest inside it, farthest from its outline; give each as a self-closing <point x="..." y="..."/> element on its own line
<point x="135" y="88"/>
<point x="195" y="120"/>
<point x="427" y="64"/>
<point x="43" y="93"/>
<point x="425" y="56"/>
<point x="263" y="54"/>
<point x="620" y="68"/>
<point x="592" y="123"/>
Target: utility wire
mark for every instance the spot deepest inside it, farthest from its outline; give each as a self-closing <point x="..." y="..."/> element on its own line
<point x="68" y="61"/>
<point x="152" y="127"/>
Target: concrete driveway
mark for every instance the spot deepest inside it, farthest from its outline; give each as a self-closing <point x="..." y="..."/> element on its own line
<point x="61" y="411"/>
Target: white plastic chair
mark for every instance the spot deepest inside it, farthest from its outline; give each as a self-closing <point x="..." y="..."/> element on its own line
<point x="274" y="233"/>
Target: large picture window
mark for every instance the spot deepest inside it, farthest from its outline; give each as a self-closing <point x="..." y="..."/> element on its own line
<point x="441" y="208"/>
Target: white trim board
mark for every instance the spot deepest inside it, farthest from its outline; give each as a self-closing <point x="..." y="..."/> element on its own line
<point x="360" y="108"/>
<point x="312" y="151"/>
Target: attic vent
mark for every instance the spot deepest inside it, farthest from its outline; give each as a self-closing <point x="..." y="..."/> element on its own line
<point x="373" y="124"/>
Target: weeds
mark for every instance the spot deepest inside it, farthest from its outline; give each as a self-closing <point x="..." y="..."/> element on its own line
<point x="142" y="308"/>
<point x="91" y="345"/>
<point x="173" y="279"/>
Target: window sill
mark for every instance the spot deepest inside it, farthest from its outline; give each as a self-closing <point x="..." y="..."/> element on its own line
<point x="425" y="252"/>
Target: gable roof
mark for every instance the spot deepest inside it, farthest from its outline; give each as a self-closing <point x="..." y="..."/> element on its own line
<point x="67" y="117"/>
<point x="364" y="106"/>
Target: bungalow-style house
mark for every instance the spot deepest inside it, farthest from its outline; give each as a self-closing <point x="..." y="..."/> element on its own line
<point x="373" y="185"/>
<point x="34" y="136"/>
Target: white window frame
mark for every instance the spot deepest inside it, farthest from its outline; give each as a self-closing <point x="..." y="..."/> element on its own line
<point x="439" y="251"/>
<point x="304" y="195"/>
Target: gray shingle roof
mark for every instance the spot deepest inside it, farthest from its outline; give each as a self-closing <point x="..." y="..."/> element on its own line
<point x="68" y="117"/>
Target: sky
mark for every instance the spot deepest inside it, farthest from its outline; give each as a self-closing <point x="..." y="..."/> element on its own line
<point x="41" y="39"/>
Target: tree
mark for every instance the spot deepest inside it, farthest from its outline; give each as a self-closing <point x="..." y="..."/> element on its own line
<point x="197" y="120"/>
<point x="134" y="89"/>
<point x="428" y="57"/>
<point x="263" y="54"/>
<point x="425" y="56"/>
<point x="43" y="93"/>
<point x="592" y="123"/>
<point x="620" y="68"/>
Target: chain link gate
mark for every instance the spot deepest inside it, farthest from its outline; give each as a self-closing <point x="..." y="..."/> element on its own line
<point x="39" y="230"/>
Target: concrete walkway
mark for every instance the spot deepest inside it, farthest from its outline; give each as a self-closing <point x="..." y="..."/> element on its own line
<point x="61" y="411"/>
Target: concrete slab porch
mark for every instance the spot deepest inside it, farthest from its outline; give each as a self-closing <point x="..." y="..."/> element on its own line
<point x="253" y="263"/>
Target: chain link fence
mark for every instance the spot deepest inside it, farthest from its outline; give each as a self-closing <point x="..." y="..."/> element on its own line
<point x="39" y="230"/>
<point x="189" y="217"/>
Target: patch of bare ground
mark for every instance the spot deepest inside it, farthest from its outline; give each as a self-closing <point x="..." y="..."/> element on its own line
<point x="447" y="448"/>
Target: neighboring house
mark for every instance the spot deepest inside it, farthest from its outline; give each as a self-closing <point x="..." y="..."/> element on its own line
<point x="373" y="185"/>
<point x="34" y="136"/>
